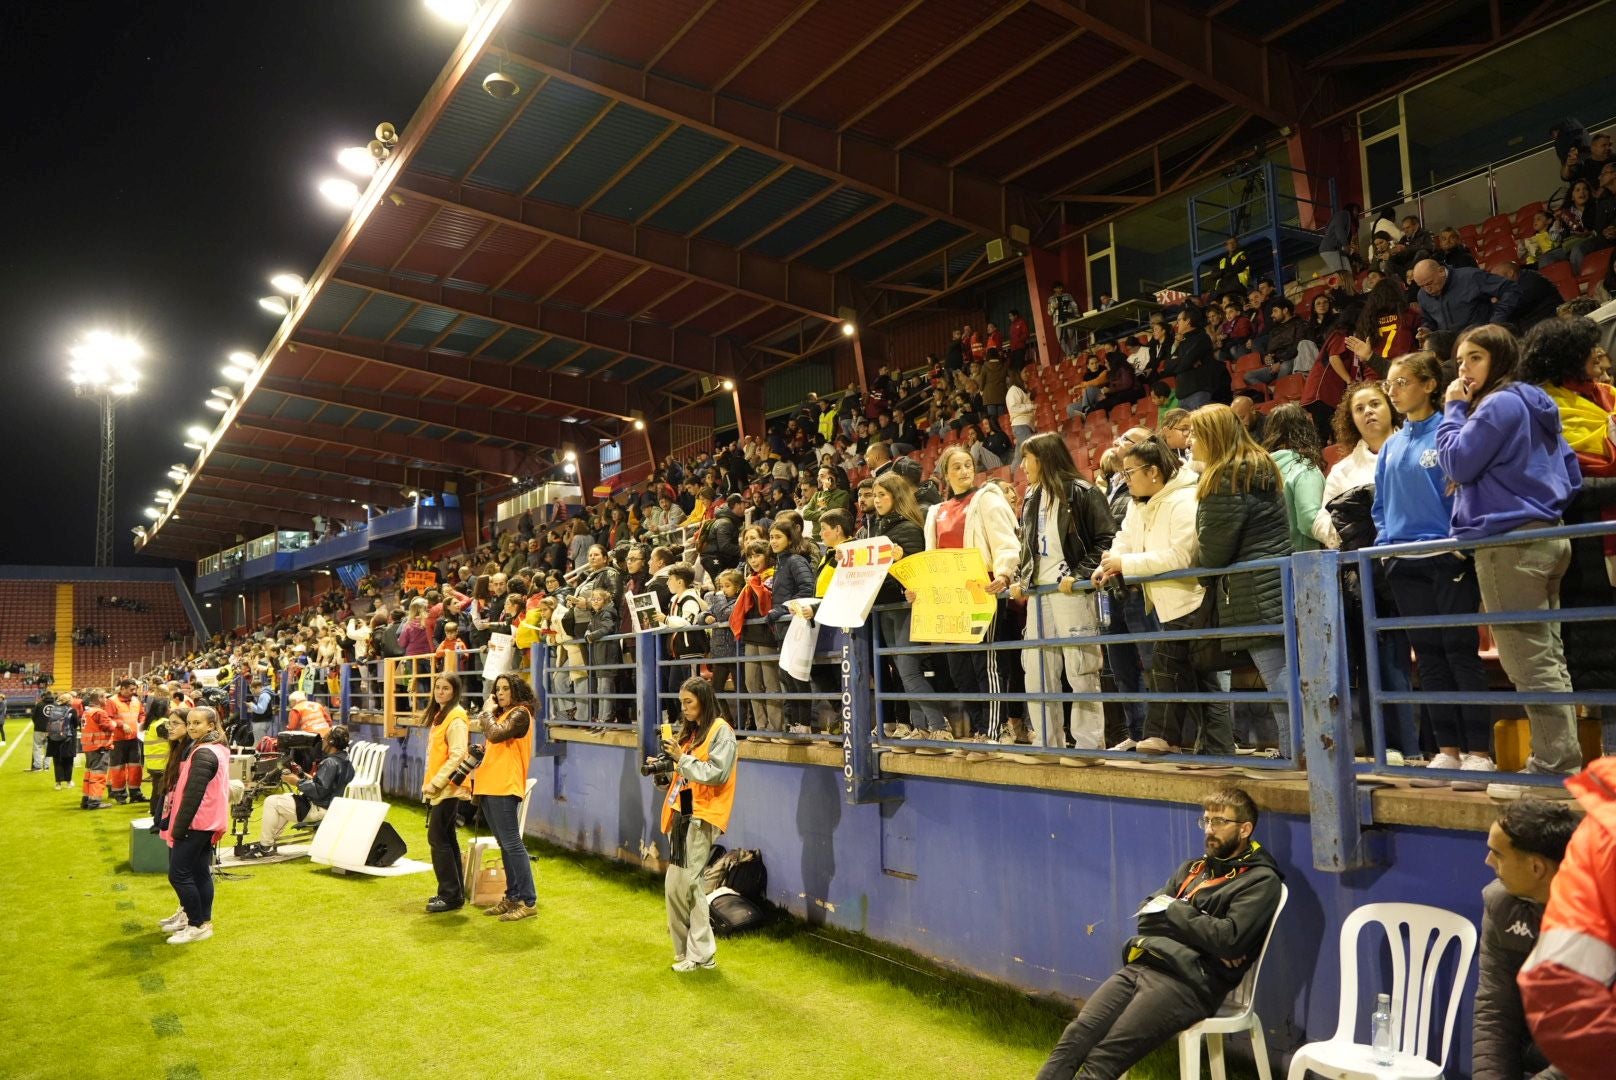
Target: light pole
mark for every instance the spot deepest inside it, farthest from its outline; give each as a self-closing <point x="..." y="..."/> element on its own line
<point x="103" y="369"/>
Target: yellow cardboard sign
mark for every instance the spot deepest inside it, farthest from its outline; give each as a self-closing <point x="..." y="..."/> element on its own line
<point x="952" y="604"/>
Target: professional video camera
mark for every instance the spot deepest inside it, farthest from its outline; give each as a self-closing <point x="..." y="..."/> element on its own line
<point x="268" y="775"/>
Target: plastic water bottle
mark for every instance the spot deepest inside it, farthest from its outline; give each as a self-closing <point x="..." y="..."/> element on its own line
<point x="1105" y="609"/>
<point x="1382" y="1052"/>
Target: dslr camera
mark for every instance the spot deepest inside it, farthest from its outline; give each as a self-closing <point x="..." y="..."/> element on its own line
<point x="473" y="758"/>
<point x="659" y="768"/>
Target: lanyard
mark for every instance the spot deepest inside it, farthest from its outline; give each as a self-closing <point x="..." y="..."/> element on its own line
<point x="1209" y="882"/>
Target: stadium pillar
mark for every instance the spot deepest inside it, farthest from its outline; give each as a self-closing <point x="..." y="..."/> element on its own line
<point x="747" y="397"/>
<point x="658" y="443"/>
<point x="1043" y="268"/>
<point x="1320" y="155"/>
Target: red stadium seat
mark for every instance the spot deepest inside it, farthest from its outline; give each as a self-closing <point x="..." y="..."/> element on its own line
<point x="1595" y="266"/>
<point x="1332" y="454"/>
<point x="1122" y="416"/>
<point x="1522" y="218"/>
<point x="1564" y="280"/>
<point x="1289" y="387"/>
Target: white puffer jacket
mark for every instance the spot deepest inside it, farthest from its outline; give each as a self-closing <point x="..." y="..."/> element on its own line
<point x="1159" y="536"/>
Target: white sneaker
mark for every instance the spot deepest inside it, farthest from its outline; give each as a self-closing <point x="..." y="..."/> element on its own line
<point x="176" y="921"/>
<point x="683" y="966"/>
<point x="192" y="933"/>
<point x="1125" y="744"/>
<point x="1444" y="761"/>
<point x="899" y="731"/>
<point x="1474" y="763"/>
<point x="940" y="735"/>
<point x="1395" y="758"/>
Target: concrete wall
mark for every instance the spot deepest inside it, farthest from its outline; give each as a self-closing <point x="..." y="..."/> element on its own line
<point x="1027" y="886"/>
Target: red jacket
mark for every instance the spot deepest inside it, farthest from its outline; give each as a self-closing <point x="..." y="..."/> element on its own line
<point x="97" y="731"/>
<point x="1568" y="984"/>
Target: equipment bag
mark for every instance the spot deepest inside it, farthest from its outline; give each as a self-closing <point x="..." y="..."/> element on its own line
<point x="731" y="913"/>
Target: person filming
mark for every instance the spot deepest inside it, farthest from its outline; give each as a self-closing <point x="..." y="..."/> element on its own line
<point x="701" y="792"/>
<point x="501" y="783"/>
<point x="313" y="796"/>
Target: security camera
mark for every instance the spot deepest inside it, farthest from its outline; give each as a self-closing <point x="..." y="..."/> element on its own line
<point x="500" y="86"/>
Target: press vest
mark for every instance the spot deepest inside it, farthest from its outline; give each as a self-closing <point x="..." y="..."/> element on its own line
<point x="437" y="754"/>
<point x="709" y="802"/>
<point x="504" y="767"/>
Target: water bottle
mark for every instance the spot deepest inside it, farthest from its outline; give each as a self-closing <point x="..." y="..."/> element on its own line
<point x="1382" y="1052"/>
<point x="1105" y="609"/>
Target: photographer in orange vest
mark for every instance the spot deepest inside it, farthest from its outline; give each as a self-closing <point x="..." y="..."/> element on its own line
<point x="695" y="813"/>
<point x="95" y="737"/>
<point x="126" y="711"/>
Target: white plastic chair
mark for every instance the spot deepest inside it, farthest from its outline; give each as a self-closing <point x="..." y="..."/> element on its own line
<point x="1415" y="965"/>
<point x="1236" y="1014"/>
<point x="367" y="762"/>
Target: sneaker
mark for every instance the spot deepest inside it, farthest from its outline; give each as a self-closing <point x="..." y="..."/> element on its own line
<point x="500" y="908"/>
<point x="683" y="966"/>
<point x="256" y="851"/>
<point x="176" y="921"/>
<point x="1474" y="763"/>
<point x="1440" y="761"/>
<point x="1007" y="737"/>
<point x="1126" y="744"/>
<point x="438" y="905"/>
<point x="191" y="933"/>
<point x="899" y="731"/>
<point x="798" y="729"/>
<point x="1153" y="746"/>
<point x="940" y="735"/>
<point x="137" y="797"/>
<point x="1394" y="757"/>
<point x="519" y="911"/>
<point x="58" y="785"/>
<point x="1510" y="792"/>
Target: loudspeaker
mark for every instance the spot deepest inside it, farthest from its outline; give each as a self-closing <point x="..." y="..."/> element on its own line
<point x="387" y="848"/>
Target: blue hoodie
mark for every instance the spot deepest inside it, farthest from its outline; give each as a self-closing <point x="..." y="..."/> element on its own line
<point x="1411" y="498"/>
<point x="1511" y="463"/>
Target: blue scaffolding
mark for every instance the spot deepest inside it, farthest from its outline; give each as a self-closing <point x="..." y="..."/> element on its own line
<point x="1252" y="207"/>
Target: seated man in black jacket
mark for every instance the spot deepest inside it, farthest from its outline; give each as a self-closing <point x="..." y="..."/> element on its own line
<point x="313" y="796"/>
<point x="1196" y="939"/>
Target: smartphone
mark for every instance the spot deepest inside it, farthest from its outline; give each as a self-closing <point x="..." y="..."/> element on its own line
<point x="667" y="733"/>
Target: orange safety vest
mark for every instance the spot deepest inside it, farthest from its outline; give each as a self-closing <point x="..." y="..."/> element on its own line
<point x="126" y="717"/>
<point x="97" y="732"/>
<point x="309" y="716"/>
<point x="504" y="767"/>
<point x="437" y="754"/>
<point x="708" y="802"/>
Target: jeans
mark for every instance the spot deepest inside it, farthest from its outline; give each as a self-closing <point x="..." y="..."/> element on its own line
<point x="762" y="679"/>
<point x="1447" y="658"/>
<point x="1270" y="661"/>
<point x="1266" y="374"/>
<point x="503" y="814"/>
<point x="190" y="872"/>
<point x="1526" y="577"/>
<point x="994" y="411"/>
<point x="1194" y="401"/>
<point x="1022" y="432"/>
<point x="911" y="670"/>
<point x="1130" y="661"/>
<point x="1132" y="1013"/>
<point x="445" y="845"/>
<point x="39" y="751"/>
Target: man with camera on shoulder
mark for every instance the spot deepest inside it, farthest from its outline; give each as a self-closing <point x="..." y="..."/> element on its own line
<point x="313" y="796"/>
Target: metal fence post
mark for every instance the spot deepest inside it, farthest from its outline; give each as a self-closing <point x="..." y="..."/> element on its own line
<point x="859" y="713"/>
<point x="344" y="698"/>
<point x="281" y="705"/>
<point x="539" y="675"/>
<point x="1339" y="842"/>
<point x="649" y="675"/>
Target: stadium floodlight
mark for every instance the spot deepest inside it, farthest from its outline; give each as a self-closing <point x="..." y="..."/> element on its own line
<point x="459" y="12"/>
<point x="275" y="305"/>
<point x="339" y="191"/>
<point x="848" y="329"/>
<point x="152" y="512"/>
<point x="164" y="495"/>
<point x="570" y="455"/>
<point x="223" y="392"/>
<point x="177" y="475"/>
<point x="288" y="284"/>
<point x="729" y="384"/>
<point x="104" y="367"/>
<point x="192" y="445"/>
<point x="235" y="374"/>
<point x="639" y="425"/>
<point x="198" y="433"/>
<point x="358" y="160"/>
<point x="569" y="468"/>
<point x="217" y="404"/>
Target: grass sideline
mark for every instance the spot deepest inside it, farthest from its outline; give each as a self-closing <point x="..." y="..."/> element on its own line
<point x="313" y="974"/>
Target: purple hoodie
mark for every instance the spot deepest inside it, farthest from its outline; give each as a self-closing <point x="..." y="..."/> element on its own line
<point x="1511" y="463"/>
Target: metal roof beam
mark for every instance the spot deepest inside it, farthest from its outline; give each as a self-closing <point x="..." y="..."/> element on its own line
<point x="328" y="488"/>
<point x="516" y="426"/>
<point x="582" y="395"/>
<point x="966" y="199"/>
<point x="795" y="286"/>
<point x="229" y="519"/>
<point x="1258" y="77"/>
<point x="684" y="350"/>
<point x="462" y="456"/>
<point x="377" y="472"/>
<point x="272" y="496"/>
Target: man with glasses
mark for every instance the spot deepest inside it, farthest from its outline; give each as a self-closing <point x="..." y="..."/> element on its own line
<point x="1460" y="297"/>
<point x="1197" y="937"/>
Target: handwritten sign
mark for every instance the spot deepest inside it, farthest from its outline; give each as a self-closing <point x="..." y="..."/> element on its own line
<point x="952" y="604"/>
<point x="419" y="580"/>
<point x="861" y="567"/>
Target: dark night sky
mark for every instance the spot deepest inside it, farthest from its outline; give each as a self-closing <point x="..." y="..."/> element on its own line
<point x="160" y="163"/>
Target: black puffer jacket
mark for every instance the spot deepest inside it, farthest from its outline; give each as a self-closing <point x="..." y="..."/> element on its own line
<point x="1235" y="528"/>
<point x="907" y="535"/>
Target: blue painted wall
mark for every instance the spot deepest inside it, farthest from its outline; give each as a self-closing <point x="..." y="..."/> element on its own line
<point x="1031" y="888"/>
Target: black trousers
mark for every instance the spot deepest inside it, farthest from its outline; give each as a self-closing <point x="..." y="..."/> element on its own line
<point x="1132" y="1013"/>
<point x="1207" y="726"/>
<point x="440" y="837"/>
<point x="1447" y="658"/>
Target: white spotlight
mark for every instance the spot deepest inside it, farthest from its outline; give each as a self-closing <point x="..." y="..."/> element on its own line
<point x="569" y="468"/>
<point x="152" y="513"/>
<point x="192" y="445"/>
<point x="340" y="192"/>
<point x="848" y="329"/>
<point x="165" y="495"/>
<point x="459" y="12"/>
<point x="275" y="305"/>
<point x="223" y="392"/>
<point x="216" y="404"/>
<point x="569" y="456"/>
<point x="639" y="425"/>
<point x="729" y="384"/>
<point x="289" y="284"/>
<point x="234" y="374"/>
<point x="198" y="433"/>
<point x="357" y="160"/>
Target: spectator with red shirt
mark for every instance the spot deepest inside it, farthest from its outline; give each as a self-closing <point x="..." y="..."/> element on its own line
<point x="1019" y="339"/>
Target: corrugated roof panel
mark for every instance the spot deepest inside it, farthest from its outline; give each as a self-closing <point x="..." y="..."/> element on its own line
<point x="662" y="378"/>
<point x="368" y="421"/>
<point x="610" y="144"/>
<point x="801" y="230"/>
<point x="896" y="256"/>
<point x="727" y="32"/>
<point x="665" y="168"/>
<point x="734" y="175"/>
<point x="634" y="33"/>
<point x="333" y="306"/>
<point x="297" y="409"/>
<point x="630" y="367"/>
<point x="590" y="361"/>
<point x="337" y="414"/>
<point x="795" y="59"/>
<point x="462" y="437"/>
<point x="263" y="402"/>
<point x="552" y="352"/>
<point x="427" y="323"/>
<point x="379" y="316"/>
<point x="470" y="119"/>
<point x="275" y="468"/>
<point x="932" y="276"/>
<point x="511" y="344"/>
<point x="436" y="431"/>
<point x="471" y="333"/>
<point x="549" y="122"/>
<point x="866" y="235"/>
<point x="769" y="205"/>
<point x="401" y="426"/>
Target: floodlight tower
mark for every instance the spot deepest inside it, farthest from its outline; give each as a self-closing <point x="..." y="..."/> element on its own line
<point x="102" y="368"/>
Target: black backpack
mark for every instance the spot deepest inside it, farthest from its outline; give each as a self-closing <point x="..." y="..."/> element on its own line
<point x="690" y="642"/>
<point x="736" y="882"/>
<point x="58" y="722"/>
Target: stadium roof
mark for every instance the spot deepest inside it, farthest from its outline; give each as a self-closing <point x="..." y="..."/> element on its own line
<point x="694" y="190"/>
